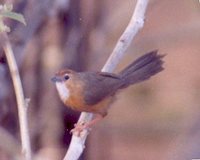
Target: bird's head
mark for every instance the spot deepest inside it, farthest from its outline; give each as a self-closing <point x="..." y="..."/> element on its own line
<point x="63" y="79"/>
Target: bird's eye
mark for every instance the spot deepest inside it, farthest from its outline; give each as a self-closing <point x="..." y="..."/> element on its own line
<point x="66" y="77"/>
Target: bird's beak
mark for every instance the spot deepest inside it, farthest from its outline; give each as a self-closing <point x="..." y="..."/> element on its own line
<point x="56" y="79"/>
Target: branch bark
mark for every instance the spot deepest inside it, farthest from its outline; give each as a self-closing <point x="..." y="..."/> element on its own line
<point x="77" y="144"/>
<point x="21" y="103"/>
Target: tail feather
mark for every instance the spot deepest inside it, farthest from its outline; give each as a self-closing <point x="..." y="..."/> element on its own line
<point x="142" y="69"/>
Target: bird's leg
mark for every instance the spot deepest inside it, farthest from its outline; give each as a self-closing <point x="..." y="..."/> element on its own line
<point x="80" y="126"/>
<point x="95" y="120"/>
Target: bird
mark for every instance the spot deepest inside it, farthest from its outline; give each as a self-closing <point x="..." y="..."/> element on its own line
<point x="95" y="91"/>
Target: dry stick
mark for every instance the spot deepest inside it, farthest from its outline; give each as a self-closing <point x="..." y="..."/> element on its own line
<point x="136" y="23"/>
<point x="21" y="104"/>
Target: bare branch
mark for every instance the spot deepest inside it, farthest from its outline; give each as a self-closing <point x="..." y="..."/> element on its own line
<point x="21" y="103"/>
<point x="77" y="144"/>
<point x="136" y="23"/>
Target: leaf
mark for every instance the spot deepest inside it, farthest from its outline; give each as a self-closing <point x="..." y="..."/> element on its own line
<point x="13" y="15"/>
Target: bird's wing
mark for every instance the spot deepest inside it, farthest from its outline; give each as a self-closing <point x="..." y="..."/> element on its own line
<point x="99" y="85"/>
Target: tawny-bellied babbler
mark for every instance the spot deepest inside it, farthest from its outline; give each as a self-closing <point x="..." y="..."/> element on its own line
<point x="94" y="91"/>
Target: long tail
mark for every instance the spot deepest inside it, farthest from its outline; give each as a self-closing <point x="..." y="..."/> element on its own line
<point x="142" y="69"/>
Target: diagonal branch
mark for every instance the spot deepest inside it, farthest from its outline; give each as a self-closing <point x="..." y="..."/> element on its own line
<point x="136" y="23"/>
<point x="21" y="103"/>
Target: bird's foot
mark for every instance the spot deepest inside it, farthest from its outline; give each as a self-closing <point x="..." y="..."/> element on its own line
<point x="79" y="127"/>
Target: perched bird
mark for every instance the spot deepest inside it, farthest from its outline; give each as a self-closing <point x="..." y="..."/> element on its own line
<point x="95" y="91"/>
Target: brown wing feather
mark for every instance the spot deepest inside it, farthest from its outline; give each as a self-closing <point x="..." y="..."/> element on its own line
<point x="99" y="85"/>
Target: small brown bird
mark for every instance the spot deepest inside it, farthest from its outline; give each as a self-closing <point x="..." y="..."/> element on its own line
<point x="95" y="91"/>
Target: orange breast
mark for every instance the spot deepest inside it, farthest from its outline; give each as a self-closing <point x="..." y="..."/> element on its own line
<point x="76" y="100"/>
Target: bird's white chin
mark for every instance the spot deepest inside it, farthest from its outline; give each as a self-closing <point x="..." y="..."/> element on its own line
<point x="62" y="90"/>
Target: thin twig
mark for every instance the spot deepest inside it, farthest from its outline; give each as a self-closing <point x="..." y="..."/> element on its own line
<point x="21" y="103"/>
<point x="136" y="23"/>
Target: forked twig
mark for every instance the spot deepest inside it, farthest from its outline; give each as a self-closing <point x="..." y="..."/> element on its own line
<point x="77" y="144"/>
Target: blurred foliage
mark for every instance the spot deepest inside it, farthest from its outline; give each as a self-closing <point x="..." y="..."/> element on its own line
<point x="6" y="12"/>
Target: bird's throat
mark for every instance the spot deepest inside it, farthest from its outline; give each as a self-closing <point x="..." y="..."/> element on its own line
<point x="63" y="91"/>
